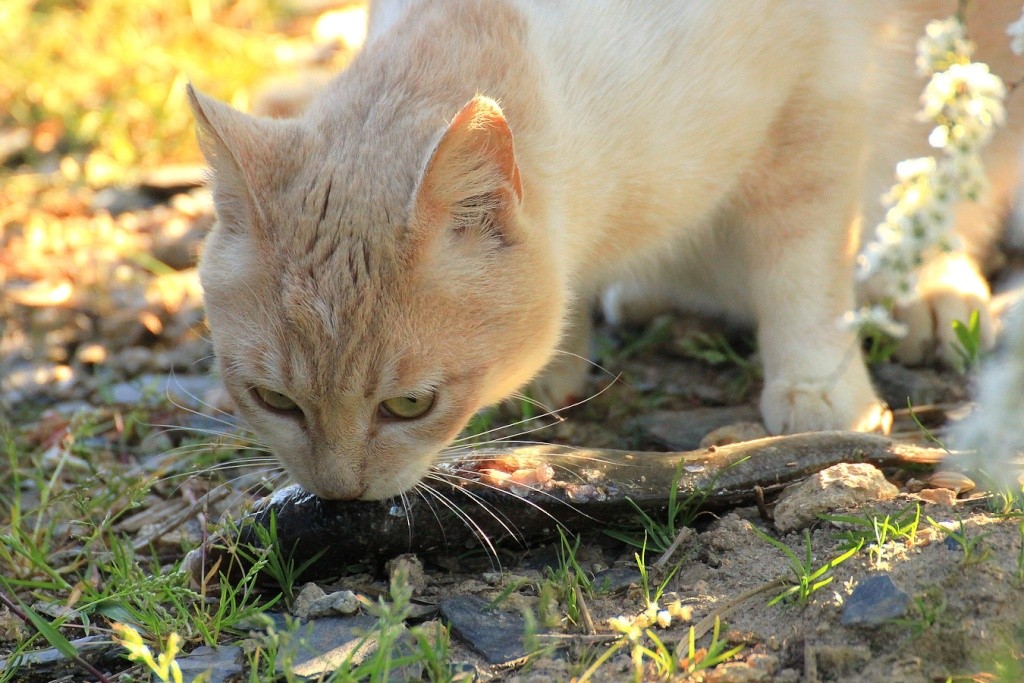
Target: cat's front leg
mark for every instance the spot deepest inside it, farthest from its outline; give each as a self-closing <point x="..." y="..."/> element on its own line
<point x="799" y="250"/>
<point x="815" y="377"/>
<point x="563" y="381"/>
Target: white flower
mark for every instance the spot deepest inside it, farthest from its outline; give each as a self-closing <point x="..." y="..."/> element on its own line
<point x="944" y="40"/>
<point x="872" y="318"/>
<point x="966" y="100"/>
<point x="1016" y="33"/>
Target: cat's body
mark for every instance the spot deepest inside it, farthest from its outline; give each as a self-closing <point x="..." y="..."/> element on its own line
<point x="406" y="237"/>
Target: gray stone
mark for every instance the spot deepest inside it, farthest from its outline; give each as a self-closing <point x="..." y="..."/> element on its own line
<point x="309" y="595"/>
<point x="839" y="486"/>
<point x="340" y="603"/>
<point x="412" y="567"/>
<point x="126" y="393"/>
<point x="616" y="578"/>
<point x="181" y="389"/>
<point x="495" y="634"/>
<point x="220" y="664"/>
<point x="318" y="647"/>
<point x="875" y="600"/>
<point x="51" y="663"/>
<point x="683" y="430"/>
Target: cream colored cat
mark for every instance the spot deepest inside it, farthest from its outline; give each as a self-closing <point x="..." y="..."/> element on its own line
<point x="419" y="242"/>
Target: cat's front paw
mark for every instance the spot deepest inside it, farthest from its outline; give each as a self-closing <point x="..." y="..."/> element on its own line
<point x="790" y="407"/>
<point x="951" y="288"/>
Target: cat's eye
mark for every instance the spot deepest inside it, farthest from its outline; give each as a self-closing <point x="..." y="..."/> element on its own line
<point x="275" y="400"/>
<point x="407" y="407"/>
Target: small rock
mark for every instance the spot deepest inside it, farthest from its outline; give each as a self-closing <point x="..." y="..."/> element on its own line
<point x="11" y="627"/>
<point x="309" y="594"/>
<point x="728" y="533"/>
<point x="495" y="634"/>
<point x="219" y="664"/>
<point x="938" y="496"/>
<point x="875" y="600"/>
<point x="734" y="433"/>
<point x="126" y="393"/>
<point x="340" y="603"/>
<point x="32" y="380"/>
<point x="326" y="644"/>
<point x="839" y="486"/>
<point x="683" y="430"/>
<point x="412" y="567"/>
<point x="50" y="663"/>
<point x="914" y="485"/>
<point x="616" y="578"/>
<point x="838" y="661"/>
<point x="133" y="360"/>
<point x="736" y="672"/>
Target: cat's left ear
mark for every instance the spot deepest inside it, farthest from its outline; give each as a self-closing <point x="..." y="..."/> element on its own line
<point x="471" y="181"/>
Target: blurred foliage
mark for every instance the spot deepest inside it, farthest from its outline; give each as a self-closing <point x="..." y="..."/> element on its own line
<point x="104" y="80"/>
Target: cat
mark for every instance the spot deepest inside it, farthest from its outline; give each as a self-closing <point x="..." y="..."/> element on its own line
<point x="432" y="231"/>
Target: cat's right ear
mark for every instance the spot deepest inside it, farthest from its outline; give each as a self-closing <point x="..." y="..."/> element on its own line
<point x="471" y="181"/>
<point x="237" y="149"/>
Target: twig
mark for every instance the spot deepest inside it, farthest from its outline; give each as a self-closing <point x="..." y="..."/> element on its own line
<point x="214" y="496"/>
<point x="684" y="534"/>
<point x="588" y="621"/>
<point x="100" y="676"/>
<point x="708" y="622"/>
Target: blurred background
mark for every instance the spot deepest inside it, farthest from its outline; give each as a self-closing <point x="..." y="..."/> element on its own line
<point x="102" y="205"/>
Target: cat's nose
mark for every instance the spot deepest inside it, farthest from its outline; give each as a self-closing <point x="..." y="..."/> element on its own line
<point x="353" y="493"/>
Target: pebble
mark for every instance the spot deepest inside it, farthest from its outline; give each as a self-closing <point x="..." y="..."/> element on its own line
<point x="938" y="496"/>
<point x="410" y="565"/>
<point x="184" y="390"/>
<point x="339" y="603"/>
<point x="309" y="594"/>
<point x="219" y="665"/>
<point x="875" y="600"/>
<point x="496" y="635"/>
<point x="327" y="642"/>
<point x="683" y="430"/>
<point x="840" y="486"/>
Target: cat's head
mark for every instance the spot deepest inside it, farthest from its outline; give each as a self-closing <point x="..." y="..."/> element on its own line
<point x="369" y="288"/>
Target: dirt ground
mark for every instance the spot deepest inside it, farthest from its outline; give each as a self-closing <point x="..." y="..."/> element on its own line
<point x="102" y="316"/>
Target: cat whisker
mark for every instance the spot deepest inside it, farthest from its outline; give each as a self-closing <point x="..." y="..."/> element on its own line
<point x="466" y="519"/>
<point x="198" y="400"/>
<point x="531" y="401"/>
<point x="593" y="364"/>
<point x="504" y="522"/>
<point x="452" y="476"/>
<point x="551" y="413"/>
<point x="418" y="489"/>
